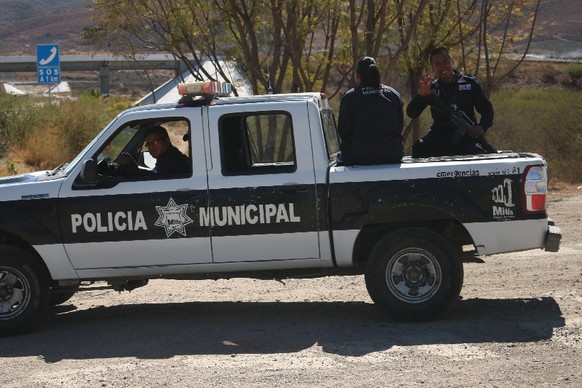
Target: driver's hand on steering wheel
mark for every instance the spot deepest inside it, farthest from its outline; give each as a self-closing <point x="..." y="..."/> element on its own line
<point x="127" y="165"/>
<point x="124" y="159"/>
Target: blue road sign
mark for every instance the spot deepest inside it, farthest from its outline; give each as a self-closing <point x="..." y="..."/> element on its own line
<point x="48" y="65"/>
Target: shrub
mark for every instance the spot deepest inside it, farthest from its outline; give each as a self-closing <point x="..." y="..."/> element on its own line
<point x="47" y="133"/>
<point x="575" y="73"/>
<point x="17" y="117"/>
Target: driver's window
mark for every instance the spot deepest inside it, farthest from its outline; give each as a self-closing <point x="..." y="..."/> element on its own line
<point x="148" y="149"/>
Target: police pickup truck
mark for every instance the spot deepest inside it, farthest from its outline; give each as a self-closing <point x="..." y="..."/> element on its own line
<point x="265" y="198"/>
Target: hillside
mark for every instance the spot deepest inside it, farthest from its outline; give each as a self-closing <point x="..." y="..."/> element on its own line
<point x="559" y="29"/>
<point x="26" y="23"/>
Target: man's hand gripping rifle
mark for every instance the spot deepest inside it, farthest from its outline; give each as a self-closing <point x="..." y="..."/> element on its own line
<point x="460" y="120"/>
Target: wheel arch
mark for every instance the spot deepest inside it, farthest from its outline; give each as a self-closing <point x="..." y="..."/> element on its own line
<point x="19" y="228"/>
<point x="449" y="228"/>
<point x="389" y="206"/>
<point x="11" y="239"/>
<point x="41" y="229"/>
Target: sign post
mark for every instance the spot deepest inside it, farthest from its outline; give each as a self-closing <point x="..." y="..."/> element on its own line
<point x="48" y="64"/>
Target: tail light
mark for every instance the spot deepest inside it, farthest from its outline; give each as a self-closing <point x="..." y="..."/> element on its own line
<point x="535" y="188"/>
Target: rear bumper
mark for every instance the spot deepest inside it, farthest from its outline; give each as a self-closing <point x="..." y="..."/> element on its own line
<point x="553" y="237"/>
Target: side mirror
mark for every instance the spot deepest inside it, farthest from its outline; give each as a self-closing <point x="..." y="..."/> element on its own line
<point x="88" y="176"/>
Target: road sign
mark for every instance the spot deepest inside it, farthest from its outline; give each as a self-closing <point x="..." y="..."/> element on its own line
<point x="48" y="64"/>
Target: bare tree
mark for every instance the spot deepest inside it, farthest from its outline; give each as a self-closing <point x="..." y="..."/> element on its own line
<point x="503" y="25"/>
<point x="306" y="45"/>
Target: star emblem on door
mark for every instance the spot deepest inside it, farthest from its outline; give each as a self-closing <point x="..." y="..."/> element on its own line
<point x="173" y="218"/>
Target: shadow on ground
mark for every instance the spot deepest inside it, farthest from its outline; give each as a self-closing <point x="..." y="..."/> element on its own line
<point x="157" y="331"/>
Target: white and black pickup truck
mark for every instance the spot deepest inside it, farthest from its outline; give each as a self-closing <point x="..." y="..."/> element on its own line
<point x="264" y="198"/>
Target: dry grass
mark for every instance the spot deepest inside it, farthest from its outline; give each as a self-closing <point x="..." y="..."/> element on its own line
<point x="545" y="121"/>
<point x="37" y="135"/>
<point x="44" y="150"/>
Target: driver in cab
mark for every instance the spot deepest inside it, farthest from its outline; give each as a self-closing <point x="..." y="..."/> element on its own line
<point x="169" y="160"/>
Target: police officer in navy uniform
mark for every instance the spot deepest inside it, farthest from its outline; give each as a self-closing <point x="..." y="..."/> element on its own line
<point x="458" y="91"/>
<point x="169" y="160"/>
<point x="370" y="119"/>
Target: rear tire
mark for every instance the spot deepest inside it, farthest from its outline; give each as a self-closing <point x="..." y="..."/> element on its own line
<point x="414" y="274"/>
<point x="24" y="290"/>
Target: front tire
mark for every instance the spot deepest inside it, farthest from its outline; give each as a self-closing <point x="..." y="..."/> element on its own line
<point x="414" y="274"/>
<point x="24" y="290"/>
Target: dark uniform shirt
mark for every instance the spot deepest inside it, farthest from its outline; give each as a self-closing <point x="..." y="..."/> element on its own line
<point x="370" y="125"/>
<point x="172" y="162"/>
<point x="465" y="94"/>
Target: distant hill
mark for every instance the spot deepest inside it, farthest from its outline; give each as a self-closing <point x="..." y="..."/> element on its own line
<point x="26" y="23"/>
<point x="559" y="29"/>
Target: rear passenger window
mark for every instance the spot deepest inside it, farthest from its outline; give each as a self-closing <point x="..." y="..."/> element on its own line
<point x="260" y="143"/>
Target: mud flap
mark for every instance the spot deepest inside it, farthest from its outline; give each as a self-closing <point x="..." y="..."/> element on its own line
<point x="553" y="237"/>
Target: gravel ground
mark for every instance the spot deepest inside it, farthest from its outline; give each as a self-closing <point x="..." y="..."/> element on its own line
<point x="518" y="324"/>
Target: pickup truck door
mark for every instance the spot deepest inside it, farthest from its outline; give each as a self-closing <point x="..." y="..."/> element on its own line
<point x="128" y="222"/>
<point x="263" y="201"/>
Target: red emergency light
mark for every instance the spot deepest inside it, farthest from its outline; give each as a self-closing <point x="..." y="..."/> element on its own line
<point x="204" y="88"/>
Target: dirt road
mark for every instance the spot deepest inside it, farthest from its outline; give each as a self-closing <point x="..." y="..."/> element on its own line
<point x="518" y="324"/>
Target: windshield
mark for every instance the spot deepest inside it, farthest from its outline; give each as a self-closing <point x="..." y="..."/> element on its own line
<point x="120" y="142"/>
<point x="70" y="166"/>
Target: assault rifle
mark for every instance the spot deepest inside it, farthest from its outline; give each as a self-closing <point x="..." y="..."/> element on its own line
<point x="460" y="121"/>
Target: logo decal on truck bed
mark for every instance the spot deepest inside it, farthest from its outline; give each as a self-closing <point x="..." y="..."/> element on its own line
<point x="503" y="195"/>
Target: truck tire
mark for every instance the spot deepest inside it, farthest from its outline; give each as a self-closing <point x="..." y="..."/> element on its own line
<point x="24" y="291"/>
<point x="414" y="274"/>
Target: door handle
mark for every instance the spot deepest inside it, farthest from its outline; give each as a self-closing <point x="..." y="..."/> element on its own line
<point x="293" y="188"/>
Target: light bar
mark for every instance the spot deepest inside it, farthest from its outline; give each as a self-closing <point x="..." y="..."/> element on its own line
<point x="205" y="88"/>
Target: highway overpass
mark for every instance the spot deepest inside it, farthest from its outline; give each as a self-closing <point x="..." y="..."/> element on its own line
<point x="103" y="63"/>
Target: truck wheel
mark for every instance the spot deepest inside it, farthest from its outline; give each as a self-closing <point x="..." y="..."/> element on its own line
<point x="414" y="274"/>
<point x="24" y="290"/>
<point x="60" y="295"/>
